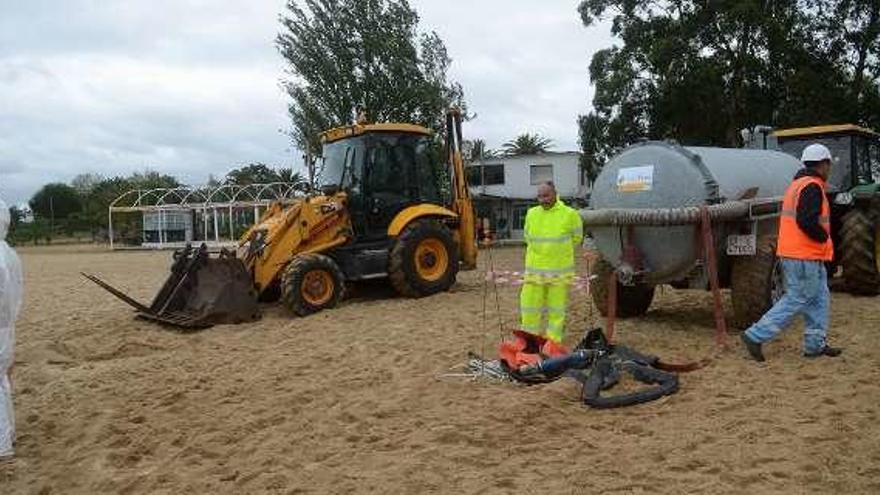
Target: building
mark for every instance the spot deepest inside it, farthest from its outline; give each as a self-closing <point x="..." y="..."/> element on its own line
<point x="504" y="188"/>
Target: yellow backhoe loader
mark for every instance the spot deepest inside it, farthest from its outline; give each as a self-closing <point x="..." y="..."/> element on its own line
<point x="387" y="208"/>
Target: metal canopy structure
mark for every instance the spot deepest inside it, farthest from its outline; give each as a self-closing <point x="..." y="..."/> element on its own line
<point x="219" y="211"/>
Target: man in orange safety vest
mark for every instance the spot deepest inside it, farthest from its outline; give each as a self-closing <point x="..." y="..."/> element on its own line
<point x="804" y="246"/>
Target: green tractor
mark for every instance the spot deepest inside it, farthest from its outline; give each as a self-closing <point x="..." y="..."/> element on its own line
<point x="854" y="193"/>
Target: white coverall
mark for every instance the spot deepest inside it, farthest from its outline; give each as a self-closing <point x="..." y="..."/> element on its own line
<point x="11" y="288"/>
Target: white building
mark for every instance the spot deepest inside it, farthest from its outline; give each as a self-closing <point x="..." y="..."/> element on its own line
<point x="504" y="188"/>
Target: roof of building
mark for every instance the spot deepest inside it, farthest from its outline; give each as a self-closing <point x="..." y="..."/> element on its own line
<point x="358" y="129"/>
<point x="823" y="129"/>
<point x="501" y="158"/>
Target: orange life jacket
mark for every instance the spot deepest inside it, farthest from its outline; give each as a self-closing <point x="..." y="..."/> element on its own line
<point x="794" y="242"/>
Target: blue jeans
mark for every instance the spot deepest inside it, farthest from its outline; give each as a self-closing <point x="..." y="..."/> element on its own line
<point x="806" y="293"/>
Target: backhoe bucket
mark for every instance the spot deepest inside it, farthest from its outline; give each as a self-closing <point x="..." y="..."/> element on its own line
<point x="200" y="291"/>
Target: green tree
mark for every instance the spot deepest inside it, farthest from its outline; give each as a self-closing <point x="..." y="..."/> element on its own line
<point x="527" y="144"/>
<point x="150" y="179"/>
<point x="595" y="149"/>
<point x="369" y="55"/>
<point x="848" y="41"/>
<point x="253" y="173"/>
<point x="479" y="151"/>
<point x="287" y="175"/>
<point x="698" y="72"/>
<point x="85" y="183"/>
<point x="55" y="201"/>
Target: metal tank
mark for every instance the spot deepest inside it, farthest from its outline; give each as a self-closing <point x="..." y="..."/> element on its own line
<point x="652" y="177"/>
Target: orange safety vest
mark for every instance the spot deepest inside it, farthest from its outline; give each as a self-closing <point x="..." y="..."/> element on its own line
<point x="793" y="242"/>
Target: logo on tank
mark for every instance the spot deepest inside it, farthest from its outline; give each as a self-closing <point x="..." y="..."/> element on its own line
<point x="635" y="179"/>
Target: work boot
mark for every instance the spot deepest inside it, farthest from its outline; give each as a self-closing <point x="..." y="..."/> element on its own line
<point x="825" y="351"/>
<point x="754" y="348"/>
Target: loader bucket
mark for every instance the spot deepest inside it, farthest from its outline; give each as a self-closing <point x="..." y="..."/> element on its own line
<point x="200" y="291"/>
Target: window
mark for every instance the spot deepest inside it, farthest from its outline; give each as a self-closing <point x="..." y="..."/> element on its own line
<point x="493" y="175"/>
<point x="540" y="173"/>
<point x="486" y="175"/>
<point x="519" y="217"/>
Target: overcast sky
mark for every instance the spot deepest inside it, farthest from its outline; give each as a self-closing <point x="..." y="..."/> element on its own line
<point x="190" y="87"/>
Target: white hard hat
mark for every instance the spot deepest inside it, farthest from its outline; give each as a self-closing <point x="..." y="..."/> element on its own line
<point x="815" y="153"/>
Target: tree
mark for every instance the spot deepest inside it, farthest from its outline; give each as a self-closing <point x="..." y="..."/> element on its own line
<point x="478" y="151"/>
<point x="849" y="31"/>
<point x="527" y="144"/>
<point x="55" y="201"/>
<point x="85" y="183"/>
<point x="698" y="72"/>
<point x="369" y="55"/>
<point x="299" y="182"/>
<point x="595" y="149"/>
<point x="150" y="179"/>
<point x="254" y="173"/>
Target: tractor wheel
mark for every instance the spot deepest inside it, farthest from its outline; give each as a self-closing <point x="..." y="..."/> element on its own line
<point x="311" y="283"/>
<point x="632" y="300"/>
<point x="423" y="260"/>
<point x="860" y="253"/>
<point x="756" y="283"/>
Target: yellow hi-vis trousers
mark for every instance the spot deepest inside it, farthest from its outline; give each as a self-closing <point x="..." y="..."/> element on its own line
<point x="548" y="296"/>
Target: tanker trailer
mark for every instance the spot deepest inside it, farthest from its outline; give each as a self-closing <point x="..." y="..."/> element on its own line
<point x="645" y="216"/>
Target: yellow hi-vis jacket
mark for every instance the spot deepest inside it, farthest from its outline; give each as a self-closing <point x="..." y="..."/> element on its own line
<point x="551" y="236"/>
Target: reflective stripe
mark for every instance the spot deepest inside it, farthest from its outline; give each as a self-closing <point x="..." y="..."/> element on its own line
<point x="542" y="309"/>
<point x="823" y="219"/>
<point x="549" y="271"/>
<point x="531" y="309"/>
<point x="549" y="240"/>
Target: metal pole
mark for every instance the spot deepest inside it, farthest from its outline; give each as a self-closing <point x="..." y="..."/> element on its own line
<point x="110" y="225"/>
<point x="231" y="230"/>
<point x="216" y="227"/>
<point x="712" y="268"/>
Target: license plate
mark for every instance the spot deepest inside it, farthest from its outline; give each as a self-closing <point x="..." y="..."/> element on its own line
<point x="741" y="245"/>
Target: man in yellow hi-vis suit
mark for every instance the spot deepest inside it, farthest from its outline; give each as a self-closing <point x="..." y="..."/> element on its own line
<point x="552" y="231"/>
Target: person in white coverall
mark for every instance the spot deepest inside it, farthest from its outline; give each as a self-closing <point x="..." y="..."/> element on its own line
<point x="10" y="302"/>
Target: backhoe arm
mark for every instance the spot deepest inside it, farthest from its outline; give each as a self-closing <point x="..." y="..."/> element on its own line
<point x="461" y="199"/>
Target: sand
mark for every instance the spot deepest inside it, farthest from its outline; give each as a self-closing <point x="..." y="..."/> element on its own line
<point x="354" y="400"/>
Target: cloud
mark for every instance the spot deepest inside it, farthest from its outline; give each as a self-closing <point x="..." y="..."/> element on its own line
<point x="190" y="88"/>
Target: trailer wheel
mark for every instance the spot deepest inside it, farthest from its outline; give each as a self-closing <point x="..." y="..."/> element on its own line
<point x="311" y="283"/>
<point x="631" y="300"/>
<point x="860" y="253"/>
<point x="756" y="283"/>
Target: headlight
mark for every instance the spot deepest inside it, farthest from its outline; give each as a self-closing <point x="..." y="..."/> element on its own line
<point x="843" y="198"/>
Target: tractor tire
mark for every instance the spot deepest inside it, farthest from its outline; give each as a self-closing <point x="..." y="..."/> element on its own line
<point x="756" y="283"/>
<point x="423" y="259"/>
<point x="859" y="239"/>
<point x="631" y="300"/>
<point x="311" y="283"/>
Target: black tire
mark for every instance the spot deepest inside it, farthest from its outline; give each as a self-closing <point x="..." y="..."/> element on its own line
<point x="404" y="268"/>
<point x="756" y="283"/>
<point x="858" y="246"/>
<point x="632" y="300"/>
<point x="311" y="283"/>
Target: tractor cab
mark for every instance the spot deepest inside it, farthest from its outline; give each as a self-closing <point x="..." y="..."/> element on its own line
<point x="856" y="152"/>
<point x="383" y="168"/>
<point x="854" y="191"/>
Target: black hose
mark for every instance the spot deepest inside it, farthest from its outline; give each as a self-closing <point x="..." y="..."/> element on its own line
<point x="666" y="384"/>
